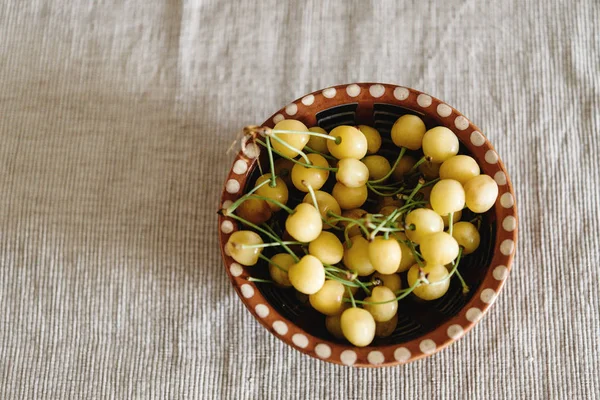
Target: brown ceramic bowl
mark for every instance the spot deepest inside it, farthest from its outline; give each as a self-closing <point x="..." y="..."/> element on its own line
<point x="423" y="328"/>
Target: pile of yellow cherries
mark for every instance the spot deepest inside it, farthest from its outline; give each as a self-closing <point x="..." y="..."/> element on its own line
<point x="352" y="263"/>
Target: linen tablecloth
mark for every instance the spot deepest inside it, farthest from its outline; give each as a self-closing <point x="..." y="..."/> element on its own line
<point x="115" y="118"/>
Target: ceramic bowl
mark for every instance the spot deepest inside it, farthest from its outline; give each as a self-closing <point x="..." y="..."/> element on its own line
<point x="423" y="328"/>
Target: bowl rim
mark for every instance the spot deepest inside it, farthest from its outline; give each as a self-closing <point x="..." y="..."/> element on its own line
<point x="454" y="328"/>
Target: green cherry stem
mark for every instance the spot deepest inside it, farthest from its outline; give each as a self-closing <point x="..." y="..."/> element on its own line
<point x="414" y="167"/>
<point x="402" y="151"/>
<point x="450" y="222"/>
<point x="312" y="196"/>
<point x="294" y="160"/>
<point x="383" y="223"/>
<point x="259" y="246"/>
<point x="415" y="190"/>
<point x="337" y="140"/>
<point x="327" y="156"/>
<point x="416" y="255"/>
<point x="264" y="231"/>
<point x="268" y="260"/>
<point x="351" y="297"/>
<point x="401" y="294"/>
<point x="343" y="281"/>
<point x="251" y="279"/>
<point x="292" y="148"/>
<point x="239" y="201"/>
<point x="270" y="200"/>
<point x="271" y="162"/>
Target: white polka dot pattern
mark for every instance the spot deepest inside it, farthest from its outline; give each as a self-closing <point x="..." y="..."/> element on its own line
<point x="507" y="200"/>
<point x="300" y="340"/>
<point x="308" y="100"/>
<point x="509" y="223"/>
<point x="280" y="327"/>
<point x="402" y="354"/>
<point x="292" y="109"/>
<point x="261" y="310"/>
<point x="473" y="314"/>
<point x="401" y="93"/>
<point x="348" y="357"/>
<point x="375" y="357"/>
<point x="240" y="167"/>
<point x="444" y="110"/>
<point x="278" y="118"/>
<point x="500" y="178"/>
<point x="236" y="269"/>
<point x="477" y="139"/>
<point x="232" y="186"/>
<point x="507" y="247"/>
<point x="227" y="227"/>
<point x="376" y="90"/>
<point x="227" y="203"/>
<point x="491" y="157"/>
<point x="247" y="290"/>
<point x="322" y="350"/>
<point x="455" y="331"/>
<point x="500" y="272"/>
<point x="427" y="346"/>
<point x="353" y="90"/>
<point x="488" y="296"/>
<point x="424" y="100"/>
<point x="461" y="123"/>
<point x="329" y="93"/>
<point x="251" y="150"/>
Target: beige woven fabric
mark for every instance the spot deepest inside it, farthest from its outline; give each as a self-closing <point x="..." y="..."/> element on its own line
<point x="114" y="121"/>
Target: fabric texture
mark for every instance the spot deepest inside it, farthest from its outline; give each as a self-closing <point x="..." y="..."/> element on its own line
<point x="115" y="118"/>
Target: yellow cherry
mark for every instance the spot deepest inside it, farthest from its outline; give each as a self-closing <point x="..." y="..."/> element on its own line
<point x="467" y="236"/>
<point x="352" y="172"/>
<point x="385" y="255"/>
<point x="235" y="247"/>
<point x="307" y="275"/>
<point x="329" y="299"/>
<point x="373" y="138"/>
<point x="352" y="143"/>
<point x="438" y="284"/>
<point x="408" y="131"/>
<point x="349" y="198"/>
<point x="480" y="193"/>
<point x="315" y="177"/>
<point x="391" y="281"/>
<point x="326" y="203"/>
<point x="447" y="196"/>
<point x="460" y="168"/>
<point x="439" y="248"/>
<point x="356" y="257"/>
<point x="358" y="326"/>
<point x="279" y="192"/>
<point x="424" y="221"/>
<point x="377" y="165"/>
<point x="285" y="261"/>
<point x="254" y="210"/>
<point x="327" y="248"/>
<point x="318" y="143"/>
<point x="385" y="311"/>
<point x="297" y="141"/>
<point x="439" y="144"/>
<point x="305" y="223"/>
